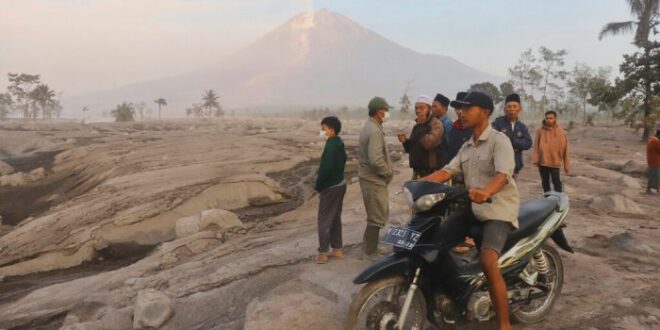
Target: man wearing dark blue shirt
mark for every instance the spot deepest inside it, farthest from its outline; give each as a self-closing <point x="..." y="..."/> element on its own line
<point x="517" y="132"/>
<point x="440" y="107"/>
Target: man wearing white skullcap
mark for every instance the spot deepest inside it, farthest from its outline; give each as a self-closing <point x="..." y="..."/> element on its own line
<point x="426" y="135"/>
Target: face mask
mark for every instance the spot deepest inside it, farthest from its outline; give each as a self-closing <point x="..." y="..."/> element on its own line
<point x="386" y="116"/>
<point x="322" y="134"/>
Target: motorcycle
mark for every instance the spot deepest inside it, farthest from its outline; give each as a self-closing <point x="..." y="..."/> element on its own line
<point x="423" y="280"/>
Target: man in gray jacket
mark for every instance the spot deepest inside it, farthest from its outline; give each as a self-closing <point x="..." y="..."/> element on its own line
<point x="375" y="173"/>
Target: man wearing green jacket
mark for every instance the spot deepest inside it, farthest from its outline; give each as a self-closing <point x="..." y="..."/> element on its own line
<point x="375" y="172"/>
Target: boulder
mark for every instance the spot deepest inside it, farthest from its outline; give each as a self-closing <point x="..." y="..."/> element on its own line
<point x="627" y="242"/>
<point x="626" y="181"/>
<point x="220" y="219"/>
<point x="201" y="245"/>
<point x="625" y="185"/>
<point x="625" y="302"/>
<point x="187" y="226"/>
<point x="20" y="178"/>
<point x="14" y="180"/>
<point x="152" y="309"/>
<point x="37" y="174"/>
<point x="613" y="164"/>
<point x="5" y="168"/>
<point x="631" y="166"/>
<point x="634" y="167"/>
<point x="214" y="219"/>
<point x="272" y="312"/>
<point x="614" y="203"/>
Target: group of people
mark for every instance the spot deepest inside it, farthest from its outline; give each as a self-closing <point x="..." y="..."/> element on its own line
<point x="484" y="157"/>
<point x="435" y="140"/>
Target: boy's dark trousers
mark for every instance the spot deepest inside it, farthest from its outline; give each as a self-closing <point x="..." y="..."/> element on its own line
<point x="331" y="201"/>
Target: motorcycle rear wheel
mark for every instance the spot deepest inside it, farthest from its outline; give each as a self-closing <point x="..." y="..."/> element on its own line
<point x="368" y="311"/>
<point x="539" y="308"/>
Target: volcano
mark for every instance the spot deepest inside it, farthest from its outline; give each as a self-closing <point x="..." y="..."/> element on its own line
<point x="317" y="58"/>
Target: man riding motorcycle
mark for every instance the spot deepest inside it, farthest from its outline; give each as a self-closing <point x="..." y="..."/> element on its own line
<point x="487" y="163"/>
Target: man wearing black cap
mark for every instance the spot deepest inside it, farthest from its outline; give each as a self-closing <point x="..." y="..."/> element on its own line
<point x="459" y="133"/>
<point x="514" y="129"/>
<point x="458" y="136"/>
<point x="439" y="108"/>
<point x="486" y="161"/>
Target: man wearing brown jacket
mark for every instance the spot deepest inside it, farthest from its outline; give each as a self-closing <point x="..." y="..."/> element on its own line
<point x="551" y="152"/>
<point x="425" y="137"/>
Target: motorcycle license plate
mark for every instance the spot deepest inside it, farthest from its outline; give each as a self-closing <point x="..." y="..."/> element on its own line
<point x="401" y="237"/>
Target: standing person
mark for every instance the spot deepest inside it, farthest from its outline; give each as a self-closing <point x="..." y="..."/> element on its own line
<point x="486" y="161"/>
<point x="550" y="152"/>
<point x="426" y="135"/>
<point x="331" y="185"/>
<point x="459" y="132"/>
<point x="375" y="173"/>
<point x="514" y="129"/>
<point x="653" y="160"/>
<point x="440" y="107"/>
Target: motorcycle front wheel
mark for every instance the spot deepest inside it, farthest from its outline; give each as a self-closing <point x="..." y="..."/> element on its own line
<point x="378" y="305"/>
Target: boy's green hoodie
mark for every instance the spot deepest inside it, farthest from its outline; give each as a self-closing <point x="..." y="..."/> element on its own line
<point x="333" y="161"/>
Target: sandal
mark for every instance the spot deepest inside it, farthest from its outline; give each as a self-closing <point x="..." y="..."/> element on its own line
<point x="337" y="253"/>
<point x="321" y="258"/>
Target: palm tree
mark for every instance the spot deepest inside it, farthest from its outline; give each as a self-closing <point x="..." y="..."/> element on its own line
<point x="161" y="103"/>
<point x="210" y="101"/>
<point x="646" y="20"/>
<point x="42" y="97"/>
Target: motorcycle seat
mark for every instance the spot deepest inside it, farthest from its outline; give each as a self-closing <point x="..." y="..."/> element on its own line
<point x="531" y="216"/>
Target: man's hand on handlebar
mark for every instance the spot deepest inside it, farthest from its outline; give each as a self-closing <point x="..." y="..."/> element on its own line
<point x="479" y="196"/>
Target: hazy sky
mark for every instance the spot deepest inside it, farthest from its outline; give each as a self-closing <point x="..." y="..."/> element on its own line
<point x="80" y="46"/>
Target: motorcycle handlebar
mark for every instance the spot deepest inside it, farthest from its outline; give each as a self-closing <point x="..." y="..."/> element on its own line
<point x="466" y="193"/>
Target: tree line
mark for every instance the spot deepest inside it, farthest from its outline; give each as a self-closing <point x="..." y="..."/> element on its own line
<point x="209" y="107"/>
<point x="28" y="97"/>
<point x="544" y="82"/>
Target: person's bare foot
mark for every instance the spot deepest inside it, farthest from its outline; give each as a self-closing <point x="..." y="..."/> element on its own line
<point x="321" y="258"/>
<point x="465" y="246"/>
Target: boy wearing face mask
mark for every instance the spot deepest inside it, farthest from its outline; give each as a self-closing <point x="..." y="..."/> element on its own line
<point x="331" y="185"/>
<point x="375" y="172"/>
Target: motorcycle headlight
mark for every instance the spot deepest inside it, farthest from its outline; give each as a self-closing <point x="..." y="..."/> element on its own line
<point x="423" y="203"/>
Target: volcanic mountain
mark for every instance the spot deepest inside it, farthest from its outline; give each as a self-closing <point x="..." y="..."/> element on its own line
<point x="317" y="58"/>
